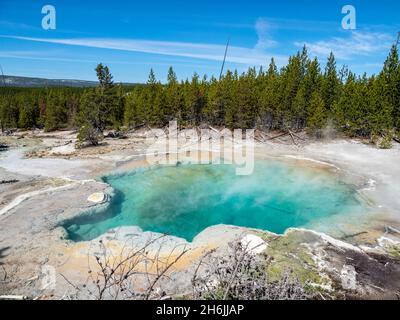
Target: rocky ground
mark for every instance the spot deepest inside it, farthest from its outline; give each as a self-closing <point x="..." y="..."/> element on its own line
<point x="46" y="181"/>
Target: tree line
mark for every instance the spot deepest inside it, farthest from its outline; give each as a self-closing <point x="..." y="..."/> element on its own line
<point x="301" y="95"/>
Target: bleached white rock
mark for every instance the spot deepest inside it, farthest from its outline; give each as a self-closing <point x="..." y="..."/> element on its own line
<point x="253" y="243"/>
<point x="97" y="197"/>
<point x="349" y="277"/>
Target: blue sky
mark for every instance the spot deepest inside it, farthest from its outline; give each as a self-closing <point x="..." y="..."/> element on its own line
<point x="134" y="36"/>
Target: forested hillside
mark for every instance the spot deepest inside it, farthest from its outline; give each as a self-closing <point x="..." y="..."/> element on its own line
<point x="301" y="95"/>
<point x="28" y="82"/>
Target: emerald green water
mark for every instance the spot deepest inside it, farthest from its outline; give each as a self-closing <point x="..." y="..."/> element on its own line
<point x="184" y="200"/>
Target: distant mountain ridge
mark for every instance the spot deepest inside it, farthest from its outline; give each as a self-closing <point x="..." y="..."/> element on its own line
<point x="15" y="81"/>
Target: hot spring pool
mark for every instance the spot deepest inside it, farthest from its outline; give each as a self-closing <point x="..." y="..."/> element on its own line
<point x="184" y="200"/>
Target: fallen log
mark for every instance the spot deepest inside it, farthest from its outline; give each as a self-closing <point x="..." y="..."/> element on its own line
<point x="8" y="181"/>
<point x="391" y="229"/>
<point x="13" y="297"/>
<point x="297" y="136"/>
<point x="116" y="135"/>
<point x="278" y="136"/>
<point x="259" y="133"/>
<point x="152" y="131"/>
<point x="215" y="130"/>
<point x="266" y="137"/>
<point x="291" y="135"/>
<point x="137" y="127"/>
<point x="347" y="236"/>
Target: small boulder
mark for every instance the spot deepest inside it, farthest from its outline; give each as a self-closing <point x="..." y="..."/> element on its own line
<point x="97" y="197"/>
<point x="349" y="277"/>
<point x="253" y="244"/>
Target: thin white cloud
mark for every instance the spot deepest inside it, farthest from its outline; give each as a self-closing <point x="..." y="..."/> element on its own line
<point x="215" y="52"/>
<point x="40" y="55"/>
<point x="18" y="26"/>
<point x="263" y="29"/>
<point x="359" y="43"/>
<point x="13" y="27"/>
<point x="287" y="24"/>
<point x="44" y="56"/>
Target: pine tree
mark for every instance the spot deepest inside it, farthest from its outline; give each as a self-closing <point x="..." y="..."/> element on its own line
<point x="214" y="112"/>
<point x="331" y="84"/>
<point x="56" y="116"/>
<point x="317" y="120"/>
<point x="292" y="75"/>
<point x="118" y="108"/>
<point x="396" y="112"/>
<point x="382" y="108"/>
<point x="134" y="108"/>
<point x="153" y="101"/>
<point x="390" y="81"/>
<point x="173" y="97"/>
<point x="96" y="106"/>
<point x="3" y="108"/>
<point x="299" y="109"/>
<point x="352" y="113"/>
<point x="194" y="101"/>
<point x="104" y="76"/>
<point x="9" y="113"/>
<point x="230" y="99"/>
<point x="28" y="111"/>
<point x="268" y="99"/>
<point x="247" y="101"/>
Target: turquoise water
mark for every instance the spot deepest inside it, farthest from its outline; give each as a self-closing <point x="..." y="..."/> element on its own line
<point x="184" y="200"/>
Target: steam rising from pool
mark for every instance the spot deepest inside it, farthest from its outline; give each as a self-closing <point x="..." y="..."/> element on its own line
<point x="184" y="200"/>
